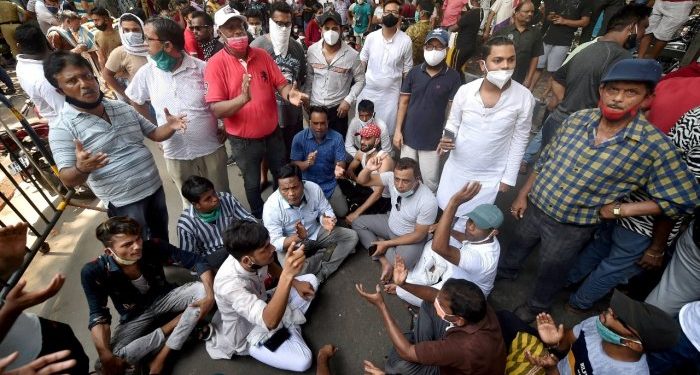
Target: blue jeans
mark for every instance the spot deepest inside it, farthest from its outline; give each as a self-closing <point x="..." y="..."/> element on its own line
<point x="533" y="147"/>
<point x="682" y="355"/>
<point x="150" y="212"/>
<point x="611" y="259"/>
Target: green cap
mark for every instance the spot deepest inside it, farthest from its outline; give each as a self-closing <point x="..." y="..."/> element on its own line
<point x="486" y="216"/>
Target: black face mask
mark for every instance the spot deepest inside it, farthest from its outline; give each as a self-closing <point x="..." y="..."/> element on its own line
<point x="390" y="20"/>
<point x="85" y="105"/>
<point x="254" y="266"/>
<point x="631" y="42"/>
<point x="102" y="27"/>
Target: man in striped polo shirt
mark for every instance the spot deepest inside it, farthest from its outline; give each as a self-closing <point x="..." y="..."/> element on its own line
<point x="101" y="141"/>
<point x="201" y="224"/>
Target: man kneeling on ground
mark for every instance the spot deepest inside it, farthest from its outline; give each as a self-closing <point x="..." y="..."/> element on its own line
<point x="251" y="322"/>
<point x="298" y="212"/>
<point x="455" y="333"/>
<point x="131" y="273"/>
<point x="201" y="225"/>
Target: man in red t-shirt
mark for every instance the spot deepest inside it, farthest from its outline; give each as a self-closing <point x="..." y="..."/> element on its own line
<point x="241" y="85"/>
<point x="191" y="45"/>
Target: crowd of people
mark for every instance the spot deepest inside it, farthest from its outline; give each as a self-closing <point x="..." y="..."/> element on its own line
<point x="378" y="142"/>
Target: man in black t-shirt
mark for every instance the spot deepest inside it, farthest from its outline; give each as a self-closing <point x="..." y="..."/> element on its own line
<point x="562" y="18"/>
<point x="467" y="29"/>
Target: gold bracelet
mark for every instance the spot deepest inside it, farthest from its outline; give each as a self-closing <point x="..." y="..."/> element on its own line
<point x="655" y="256"/>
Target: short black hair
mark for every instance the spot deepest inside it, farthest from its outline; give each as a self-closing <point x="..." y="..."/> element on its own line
<point x="194" y="187"/>
<point x="187" y="11"/>
<point x="168" y="30"/>
<point x="100" y="11"/>
<point x="318" y="109"/>
<point x="365" y="105"/>
<point x="114" y="226"/>
<point x="315" y="7"/>
<point x="59" y="60"/>
<point x="280" y="6"/>
<point x="466" y="299"/>
<point x="650" y="86"/>
<point x="254" y="13"/>
<point x="408" y="163"/>
<point x="289" y="170"/>
<point x="626" y="16"/>
<point x="387" y="2"/>
<point x="30" y="39"/>
<point x="426" y="6"/>
<point x="243" y="237"/>
<point x="498" y="40"/>
<point x="138" y="12"/>
<point x="207" y="18"/>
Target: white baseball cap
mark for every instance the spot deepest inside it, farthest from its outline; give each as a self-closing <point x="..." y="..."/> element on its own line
<point x="226" y="13"/>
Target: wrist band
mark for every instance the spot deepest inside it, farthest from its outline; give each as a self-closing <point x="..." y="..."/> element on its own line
<point x="655" y="256"/>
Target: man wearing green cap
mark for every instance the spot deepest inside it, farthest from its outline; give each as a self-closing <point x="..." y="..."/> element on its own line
<point x="472" y="255"/>
<point x="614" y="342"/>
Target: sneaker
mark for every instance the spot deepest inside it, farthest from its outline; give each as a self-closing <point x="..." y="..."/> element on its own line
<point x="568" y="307"/>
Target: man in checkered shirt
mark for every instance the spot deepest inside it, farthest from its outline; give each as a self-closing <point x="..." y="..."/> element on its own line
<point x="598" y="157"/>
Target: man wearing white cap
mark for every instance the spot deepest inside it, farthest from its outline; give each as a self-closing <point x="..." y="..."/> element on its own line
<point x="241" y="85"/>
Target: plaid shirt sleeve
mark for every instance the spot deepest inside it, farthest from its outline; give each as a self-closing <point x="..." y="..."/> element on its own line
<point x="671" y="185"/>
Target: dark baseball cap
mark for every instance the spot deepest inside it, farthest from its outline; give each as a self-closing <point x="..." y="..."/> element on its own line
<point x="634" y="70"/>
<point x="657" y="330"/>
<point x="330" y="15"/>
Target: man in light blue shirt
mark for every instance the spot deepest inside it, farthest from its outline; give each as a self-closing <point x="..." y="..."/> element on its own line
<point x="298" y="212"/>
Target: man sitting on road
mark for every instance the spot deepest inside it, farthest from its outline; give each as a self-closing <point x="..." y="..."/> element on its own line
<point x="319" y="153"/>
<point x="251" y="322"/>
<point x="456" y="332"/>
<point x="365" y="116"/>
<point x="404" y="230"/>
<point x="130" y="273"/>
<point x="201" y="225"/>
<point x="475" y="258"/>
<point x="364" y="200"/>
<point x="298" y="212"/>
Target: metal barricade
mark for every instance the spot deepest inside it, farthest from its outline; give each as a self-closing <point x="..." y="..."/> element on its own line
<point x="31" y="159"/>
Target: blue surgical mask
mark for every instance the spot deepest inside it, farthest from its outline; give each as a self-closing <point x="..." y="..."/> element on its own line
<point x="608" y="335"/>
<point x="164" y="61"/>
<point x="53" y="10"/>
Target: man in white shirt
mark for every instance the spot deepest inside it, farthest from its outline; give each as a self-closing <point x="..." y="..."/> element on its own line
<point x="475" y="258"/>
<point x="366" y="116"/>
<point x="487" y="130"/>
<point x="387" y="55"/>
<point x="405" y="228"/>
<point x="173" y="81"/>
<point x="30" y="71"/>
<point x="46" y="14"/>
<point x="249" y="322"/>
<point x="298" y="212"/>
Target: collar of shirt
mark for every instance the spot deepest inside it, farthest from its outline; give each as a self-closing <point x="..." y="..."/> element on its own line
<point x="245" y="274"/>
<point x="286" y="204"/>
<point x="634" y="130"/>
<point x="424" y="68"/>
<point x="187" y="63"/>
<point x="71" y="113"/>
<point x="310" y="135"/>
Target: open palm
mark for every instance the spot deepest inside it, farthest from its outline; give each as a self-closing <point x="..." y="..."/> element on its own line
<point x="550" y="333"/>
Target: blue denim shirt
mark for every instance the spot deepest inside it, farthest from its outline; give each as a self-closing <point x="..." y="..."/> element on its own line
<point x="102" y="278"/>
<point x="330" y="151"/>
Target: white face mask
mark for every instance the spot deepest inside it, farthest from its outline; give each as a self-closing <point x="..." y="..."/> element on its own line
<point x="498" y="77"/>
<point x="487" y="239"/>
<point x="133" y="39"/>
<point x="280" y="38"/>
<point x="122" y="261"/>
<point x="255" y="30"/>
<point x="407" y="193"/>
<point x="331" y="37"/>
<point x="434" y="57"/>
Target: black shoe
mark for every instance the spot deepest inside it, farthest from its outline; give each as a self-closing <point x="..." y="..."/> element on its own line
<point x="525" y="313"/>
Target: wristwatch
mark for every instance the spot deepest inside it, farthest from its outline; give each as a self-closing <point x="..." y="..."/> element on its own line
<point x="616" y="210"/>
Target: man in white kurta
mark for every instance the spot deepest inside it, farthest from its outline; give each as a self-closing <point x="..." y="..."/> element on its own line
<point x="387" y="53"/>
<point x="490" y="140"/>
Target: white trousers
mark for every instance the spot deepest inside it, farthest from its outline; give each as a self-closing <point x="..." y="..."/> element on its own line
<point x="293" y="354"/>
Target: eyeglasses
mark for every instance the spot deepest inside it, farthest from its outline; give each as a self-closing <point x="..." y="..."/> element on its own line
<point x="388" y="12"/>
<point x="147" y="39"/>
<point x="283" y="24"/>
<point x="398" y="203"/>
<point x="430" y="47"/>
<point x="198" y="28"/>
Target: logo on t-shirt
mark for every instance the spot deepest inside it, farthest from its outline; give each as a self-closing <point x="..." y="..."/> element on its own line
<point x="263" y="74"/>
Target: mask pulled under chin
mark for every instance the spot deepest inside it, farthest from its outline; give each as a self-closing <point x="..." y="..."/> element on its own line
<point x="85" y="105"/>
<point x="122" y="261"/>
<point x="279" y="36"/>
<point x="611" y="114"/>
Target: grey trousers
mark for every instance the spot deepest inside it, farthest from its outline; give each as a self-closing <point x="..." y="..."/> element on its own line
<point x="338" y="244"/>
<point x="680" y="283"/>
<point x="338" y="202"/>
<point x="130" y="340"/>
<point x="559" y="244"/>
<point x="428" y="327"/>
<point x="371" y="227"/>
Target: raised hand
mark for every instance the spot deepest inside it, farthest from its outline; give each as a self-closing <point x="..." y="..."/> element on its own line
<point x="374" y="298"/>
<point x="19" y="300"/>
<point x="86" y="162"/>
<point x="373" y="164"/>
<point x="400" y="271"/>
<point x="550" y="334"/>
<point x="294" y="261"/>
<point x="178" y="122"/>
<point x="467" y="192"/>
<point x="245" y="87"/>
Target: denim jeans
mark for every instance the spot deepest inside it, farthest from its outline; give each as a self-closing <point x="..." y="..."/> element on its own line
<point x="559" y="244"/>
<point x="682" y="355"/>
<point x="610" y="259"/>
<point x="151" y="213"/>
<point x="551" y="125"/>
<point x="248" y="154"/>
<point x="533" y="147"/>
